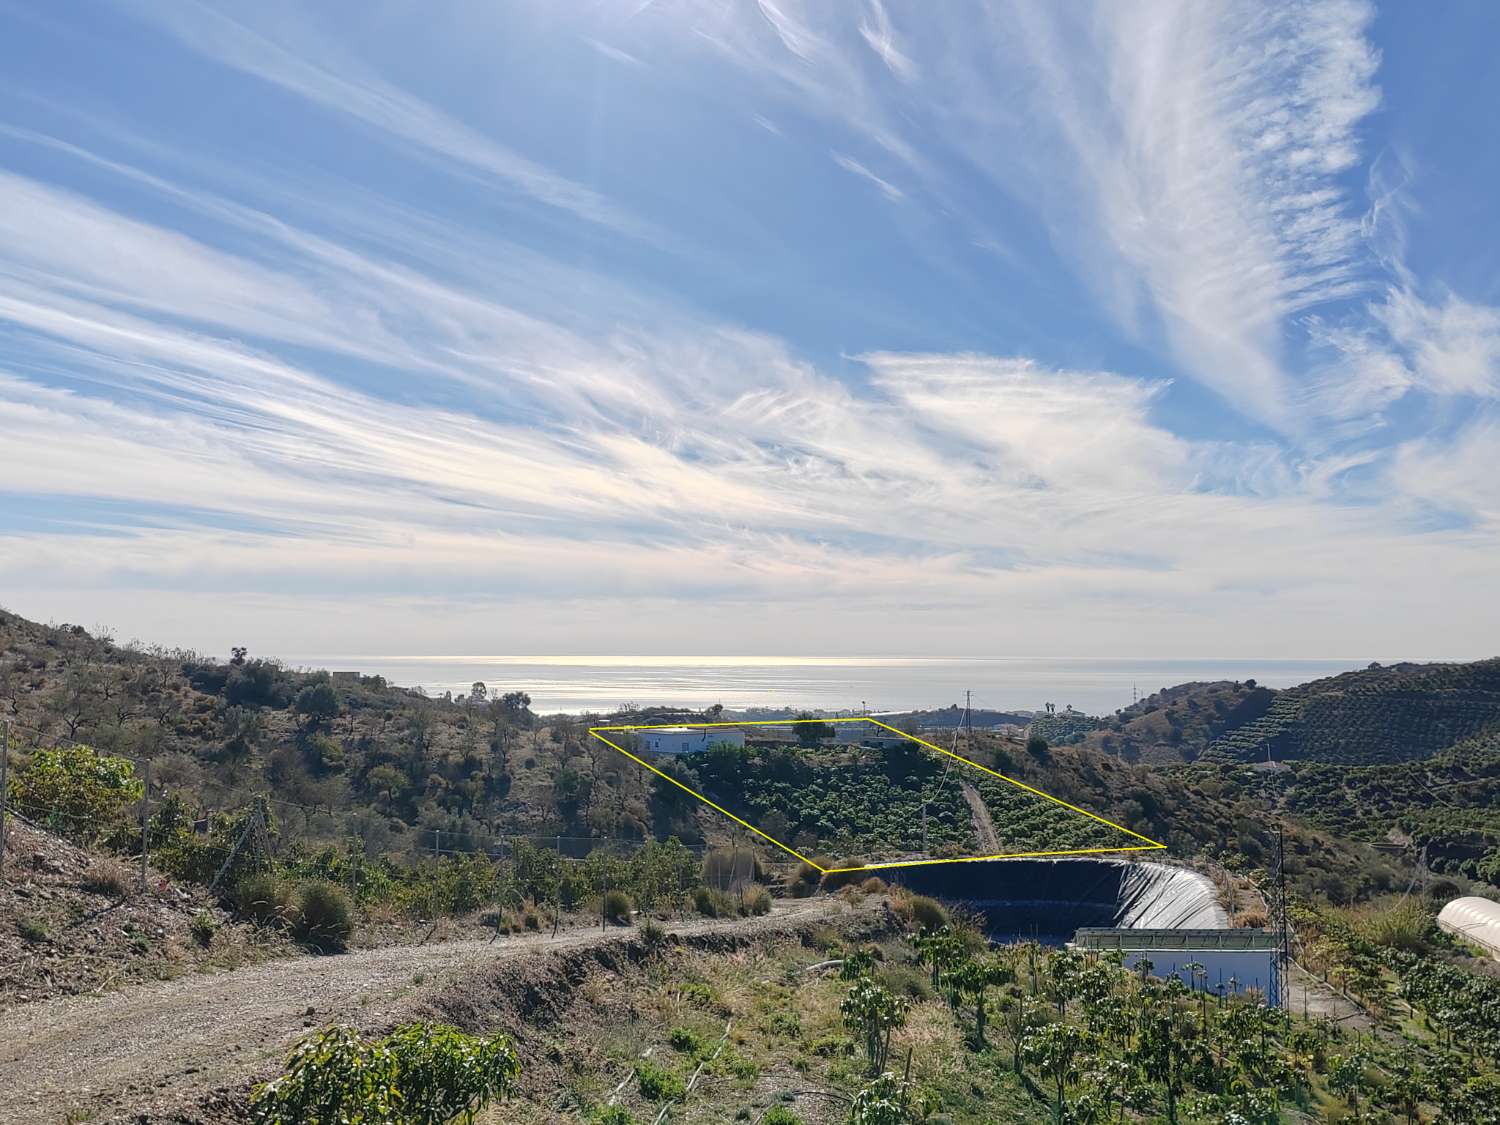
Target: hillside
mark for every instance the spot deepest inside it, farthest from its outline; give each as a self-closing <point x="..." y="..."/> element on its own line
<point x="1176" y="724"/>
<point x="399" y="774"/>
<point x="1379" y="714"/>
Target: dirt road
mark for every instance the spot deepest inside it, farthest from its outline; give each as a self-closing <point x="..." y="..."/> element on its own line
<point x="984" y="827"/>
<point x="91" y="1058"/>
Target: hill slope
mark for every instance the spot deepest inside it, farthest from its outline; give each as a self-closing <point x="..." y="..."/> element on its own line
<point x="1380" y="714"/>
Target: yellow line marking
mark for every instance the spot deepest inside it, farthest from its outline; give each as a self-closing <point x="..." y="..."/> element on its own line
<point x="1148" y="846"/>
<point x="980" y="858"/>
<point x="689" y="789"/>
<point x="1021" y="784"/>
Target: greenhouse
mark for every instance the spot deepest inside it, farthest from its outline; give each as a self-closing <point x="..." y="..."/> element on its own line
<point x="1476" y="920"/>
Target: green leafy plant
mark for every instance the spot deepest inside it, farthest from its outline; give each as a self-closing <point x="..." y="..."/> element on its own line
<point x="657" y="1083"/>
<point x="203" y="927"/>
<point x="873" y="1012"/>
<point x="884" y="1101"/>
<point x="612" y="1115"/>
<point x="81" y="790"/>
<point x="421" y="1074"/>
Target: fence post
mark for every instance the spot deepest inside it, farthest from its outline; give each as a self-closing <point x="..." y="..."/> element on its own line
<point x="145" y="820"/>
<point x="4" y="792"/>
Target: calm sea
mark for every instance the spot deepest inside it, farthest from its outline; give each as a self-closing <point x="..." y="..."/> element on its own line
<point x="603" y="683"/>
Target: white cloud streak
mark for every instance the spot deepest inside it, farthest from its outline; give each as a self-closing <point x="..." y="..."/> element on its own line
<point x="314" y="69"/>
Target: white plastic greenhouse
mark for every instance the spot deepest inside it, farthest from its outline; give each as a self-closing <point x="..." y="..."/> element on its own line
<point x="1477" y="920"/>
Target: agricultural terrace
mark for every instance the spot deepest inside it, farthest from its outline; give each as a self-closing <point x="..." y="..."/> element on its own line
<point x="816" y="794"/>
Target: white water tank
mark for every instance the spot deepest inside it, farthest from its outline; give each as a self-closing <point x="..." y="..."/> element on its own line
<point x="1476" y="920"/>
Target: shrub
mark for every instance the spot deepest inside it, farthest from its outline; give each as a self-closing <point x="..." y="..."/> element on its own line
<point x="612" y="1115"/>
<point x="712" y="903"/>
<point x="926" y="913"/>
<point x="874" y="885"/>
<point x="203" y="927"/>
<point x="444" y="1073"/>
<point x="617" y="906"/>
<point x="806" y="880"/>
<point x="108" y="878"/>
<point x="31" y="930"/>
<point x="758" y="900"/>
<point x="263" y="899"/>
<point x="1402" y="926"/>
<point x="86" y="790"/>
<point x="686" y="1040"/>
<point x="780" y="1115"/>
<point x="653" y="933"/>
<point x="657" y="1083"/>
<point x="421" y="1073"/>
<point x="325" y="917"/>
<point x="531" y="921"/>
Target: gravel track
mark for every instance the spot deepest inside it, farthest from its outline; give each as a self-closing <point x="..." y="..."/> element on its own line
<point x="176" y="1041"/>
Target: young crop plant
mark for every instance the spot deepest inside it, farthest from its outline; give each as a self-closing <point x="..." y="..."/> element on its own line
<point x="421" y="1074"/>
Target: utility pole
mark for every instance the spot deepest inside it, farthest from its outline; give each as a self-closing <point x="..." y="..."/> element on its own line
<point x="4" y="792"/>
<point x="1283" y="933"/>
<point x="145" y="820"/>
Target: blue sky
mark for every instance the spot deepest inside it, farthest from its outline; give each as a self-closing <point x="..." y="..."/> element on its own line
<point x="1158" y="329"/>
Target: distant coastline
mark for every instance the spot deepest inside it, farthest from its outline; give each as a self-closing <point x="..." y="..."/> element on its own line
<point x="603" y="683"/>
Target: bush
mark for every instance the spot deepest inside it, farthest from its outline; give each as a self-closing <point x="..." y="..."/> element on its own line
<point x="925" y="913"/>
<point x="874" y="885"/>
<point x="1402" y="926"/>
<point x="203" y="927"/>
<point x="531" y="921"/>
<point x="612" y="1115"/>
<point x="263" y="899"/>
<point x="84" y="791"/>
<point x="657" y="1083"/>
<point x="108" y="878"/>
<point x="686" y="1040"/>
<point x="653" y="933"/>
<point x="780" y="1115"/>
<point x="324" y="918"/>
<point x="420" y="1073"/>
<point x="31" y="930"/>
<point x="758" y="900"/>
<point x="617" y="906"/>
<point x="806" y="880"/>
<point x="712" y="903"/>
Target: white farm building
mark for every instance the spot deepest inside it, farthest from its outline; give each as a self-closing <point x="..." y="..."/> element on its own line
<point x="1476" y="920"/>
<point x="688" y="740"/>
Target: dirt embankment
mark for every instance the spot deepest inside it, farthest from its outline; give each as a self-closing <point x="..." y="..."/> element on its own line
<point x="186" y="1050"/>
<point x="76" y="923"/>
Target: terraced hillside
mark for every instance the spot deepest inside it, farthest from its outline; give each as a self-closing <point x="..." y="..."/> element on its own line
<point x="1445" y="805"/>
<point x="1380" y="714"/>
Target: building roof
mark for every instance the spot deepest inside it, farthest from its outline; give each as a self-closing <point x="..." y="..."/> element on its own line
<point x="1474" y="919"/>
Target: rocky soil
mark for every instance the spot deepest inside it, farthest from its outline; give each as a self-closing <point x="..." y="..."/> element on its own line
<point x="73" y="923"/>
<point x="187" y="1050"/>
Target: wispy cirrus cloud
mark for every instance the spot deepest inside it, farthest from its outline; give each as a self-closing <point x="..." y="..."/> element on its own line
<point x="269" y="401"/>
<point x="317" y="70"/>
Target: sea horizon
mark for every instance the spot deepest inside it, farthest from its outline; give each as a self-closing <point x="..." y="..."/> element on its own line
<point x="600" y="683"/>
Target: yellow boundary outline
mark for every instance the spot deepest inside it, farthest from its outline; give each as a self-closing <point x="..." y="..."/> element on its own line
<point x="1148" y="846"/>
